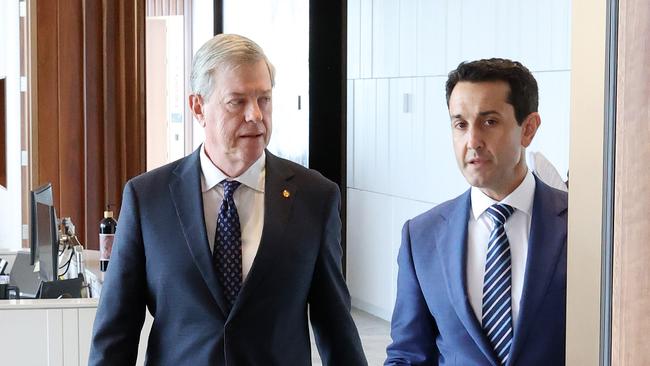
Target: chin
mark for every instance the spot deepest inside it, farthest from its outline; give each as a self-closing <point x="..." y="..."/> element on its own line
<point x="252" y="154"/>
<point x="474" y="181"/>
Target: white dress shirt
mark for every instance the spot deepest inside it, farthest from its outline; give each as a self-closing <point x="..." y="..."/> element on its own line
<point x="517" y="229"/>
<point x="249" y="199"/>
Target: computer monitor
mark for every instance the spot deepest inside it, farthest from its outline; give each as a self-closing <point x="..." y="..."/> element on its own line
<point x="44" y="242"/>
<point x="42" y="195"/>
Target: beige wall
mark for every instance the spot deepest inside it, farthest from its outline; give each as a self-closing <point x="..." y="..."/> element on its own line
<point x="586" y="176"/>
<point x="156" y="93"/>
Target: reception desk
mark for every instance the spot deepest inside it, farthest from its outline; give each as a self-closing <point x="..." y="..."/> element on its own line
<point x="53" y="332"/>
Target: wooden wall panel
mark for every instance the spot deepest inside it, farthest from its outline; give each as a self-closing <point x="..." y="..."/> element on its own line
<point x="95" y="182"/>
<point x="90" y="101"/>
<point x="71" y="106"/>
<point x="631" y="277"/>
<point x="47" y="65"/>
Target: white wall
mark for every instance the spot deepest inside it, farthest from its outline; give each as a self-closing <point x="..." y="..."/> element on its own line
<point x="400" y="158"/>
<point x="10" y="203"/>
<point x="202" y="31"/>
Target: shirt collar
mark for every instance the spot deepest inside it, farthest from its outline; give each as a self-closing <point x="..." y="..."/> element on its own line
<point x="253" y="177"/>
<point x="521" y="198"/>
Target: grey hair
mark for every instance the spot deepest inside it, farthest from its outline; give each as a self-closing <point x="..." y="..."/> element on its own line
<point x="219" y="53"/>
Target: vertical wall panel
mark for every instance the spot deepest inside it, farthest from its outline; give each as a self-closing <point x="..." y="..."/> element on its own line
<point x="385" y="38"/>
<point x="453" y="34"/>
<point x="431" y="37"/>
<point x="478" y="29"/>
<point x="631" y="273"/>
<point x="349" y="155"/>
<point x="71" y="111"/>
<point x="94" y="63"/>
<point x="507" y="34"/>
<point x="560" y="44"/>
<point x="365" y="129"/>
<point x="354" y="38"/>
<point x="381" y="174"/>
<point x="543" y="40"/>
<point x="47" y="135"/>
<point x="402" y="115"/>
<point x="368" y="228"/>
<point x="526" y="19"/>
<point x="407" y="37"/>
<point x="365" y="39"/>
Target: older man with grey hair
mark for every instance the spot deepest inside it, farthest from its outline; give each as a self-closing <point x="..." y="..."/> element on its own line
<point x="230" y="248"/>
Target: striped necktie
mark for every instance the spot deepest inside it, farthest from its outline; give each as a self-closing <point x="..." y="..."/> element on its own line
<point x="227" y="244"/>
<point x="497" y="302"/>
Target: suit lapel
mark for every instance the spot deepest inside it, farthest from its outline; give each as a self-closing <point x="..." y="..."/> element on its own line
<point x="186" y="194"/>
<point x="277" y="207"/>
<point x="547" y="242"/>
<point x="452" y="246"/>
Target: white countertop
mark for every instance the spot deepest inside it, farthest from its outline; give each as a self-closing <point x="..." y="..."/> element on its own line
<point x="48" y="304"/>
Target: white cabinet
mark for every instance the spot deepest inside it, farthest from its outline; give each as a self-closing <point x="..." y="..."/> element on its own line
<point x="51" y="332"/>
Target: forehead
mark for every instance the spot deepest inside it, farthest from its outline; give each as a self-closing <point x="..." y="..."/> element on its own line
<point x="243" y="78"/>
<point x="468" y="95"/>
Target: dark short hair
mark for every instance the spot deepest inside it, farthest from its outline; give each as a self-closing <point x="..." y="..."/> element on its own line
<point x="523" y="95"/>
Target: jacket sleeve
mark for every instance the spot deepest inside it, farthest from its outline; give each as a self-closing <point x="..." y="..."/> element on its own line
<point x="413" y="328"/>
<point x="122" y="304"/>
<point x="336" y="334"/>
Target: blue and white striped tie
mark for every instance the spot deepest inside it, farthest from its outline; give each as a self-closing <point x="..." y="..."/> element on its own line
<point x="497" y="302"/>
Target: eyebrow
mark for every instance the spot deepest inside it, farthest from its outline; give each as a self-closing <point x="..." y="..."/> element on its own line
<point x="482" y="113"/>
<point x="485" y="113"/>
<point x="238" y="94"/>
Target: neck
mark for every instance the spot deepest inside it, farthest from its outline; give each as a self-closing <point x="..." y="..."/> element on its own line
<point x="230" y="166"/>
<point x="503" y="192"/>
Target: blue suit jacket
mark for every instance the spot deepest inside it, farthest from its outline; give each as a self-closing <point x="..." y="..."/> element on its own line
<point x="433" y="321"/>
<point x="161" y="260"/>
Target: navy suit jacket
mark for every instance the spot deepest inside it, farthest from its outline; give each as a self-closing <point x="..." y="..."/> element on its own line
<point x="433" y="321"/>
<point x="161" y="260"/>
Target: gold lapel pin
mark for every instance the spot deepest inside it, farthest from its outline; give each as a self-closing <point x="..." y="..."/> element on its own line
<point x="286" y="194"/>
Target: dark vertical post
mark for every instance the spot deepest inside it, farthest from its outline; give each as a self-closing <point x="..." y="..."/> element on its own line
<point x="327" y="94"/>
<point x="218" y="17"/>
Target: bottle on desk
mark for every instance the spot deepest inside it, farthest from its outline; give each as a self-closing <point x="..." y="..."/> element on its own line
<point x="107" y="228"/>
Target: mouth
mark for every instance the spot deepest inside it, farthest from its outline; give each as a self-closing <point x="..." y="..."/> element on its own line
<point x="252" y="135"/>
<point x="476" y="161"/>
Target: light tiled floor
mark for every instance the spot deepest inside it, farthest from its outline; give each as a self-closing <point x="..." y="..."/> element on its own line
<point x="375" y="336"/>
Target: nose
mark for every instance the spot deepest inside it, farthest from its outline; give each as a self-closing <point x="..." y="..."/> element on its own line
<point x="474" y="138"/>
<point x="253" y="112"/>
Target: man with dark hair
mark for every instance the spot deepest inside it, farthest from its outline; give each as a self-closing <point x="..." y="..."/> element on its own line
<point x="482" y="277"/>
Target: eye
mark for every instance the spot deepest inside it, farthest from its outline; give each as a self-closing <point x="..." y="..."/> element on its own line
<point x="234" y="102"/>
<point x="490" y="122"/>
<point x="264" y="99"/>
<point x="460" y="124"/>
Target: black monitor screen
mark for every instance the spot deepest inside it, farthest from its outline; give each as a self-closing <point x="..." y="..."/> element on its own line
<point x="48" y="245"/>
<point x="41" y="195"/>
<point x="44" y="241"/>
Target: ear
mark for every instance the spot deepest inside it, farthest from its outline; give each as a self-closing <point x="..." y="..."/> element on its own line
<point x="196" y="106"/>
<point x="529" y="128"/>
